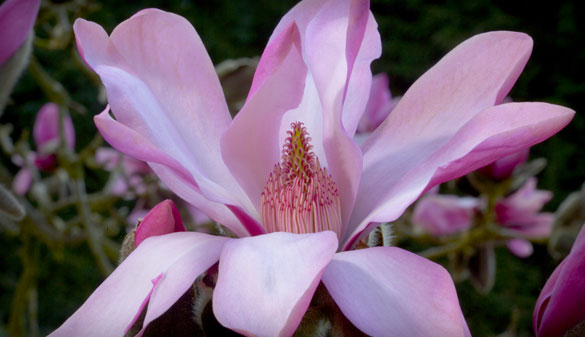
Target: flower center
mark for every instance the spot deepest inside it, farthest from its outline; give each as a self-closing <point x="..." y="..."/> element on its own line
<point x="300" y="196"/>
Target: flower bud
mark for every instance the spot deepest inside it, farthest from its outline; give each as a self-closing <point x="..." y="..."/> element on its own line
<point x="163" y="218"/>
<point x="46" y="135"/>
<point x="559" y="308"/>
<point x="17" y="19"/>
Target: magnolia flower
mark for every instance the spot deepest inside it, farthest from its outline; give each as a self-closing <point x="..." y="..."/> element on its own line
<point x="444" y="214"/>
<point x="285" y="175"/>
<point x="46" y="138"/>
<point x="559" y="308"/>
<point x="520" y="214"/>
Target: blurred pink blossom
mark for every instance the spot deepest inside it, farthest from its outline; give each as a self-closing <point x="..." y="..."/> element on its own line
<point x="520" y="213"/>
<point x="292" y="145"/>
<point x="46" y="138"/>
<point x="46" y="135"/>
<point x="559" y="308"/>
<point x="128" y="173"/>
<point x="444" y="214"/>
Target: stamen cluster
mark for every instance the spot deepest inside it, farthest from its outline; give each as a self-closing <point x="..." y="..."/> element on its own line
<point x="300" y="196"/>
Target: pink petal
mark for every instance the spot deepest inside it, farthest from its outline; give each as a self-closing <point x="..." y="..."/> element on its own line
<point x="266" y="283"/>
<point x="22" y="181"/>
<point x="17" y="19"/>
<point x="560" y="304"/>
<point x="536" y="226"/>
<point x="387" y="291"/>
<point x="524" y="202"/>
<point x="505" y="129"/>
<point x="219" y="212"/>
<point x="475" y="75"/>
<point x="337" y="30"/>
<point x="162" y="84"/>
<point x="172" y="173"/>
<point x="363" y="46"/>
<point x="351" y="43"/>
<point x="178" y="257"/>
<point x="46" y="127"/>
<point x="444" y="214"/>
<point x="520" y="248"/>
<point x="162" y="219"/>
<point x="250" y="145"/>
<point x="544" y="297"/>
<point x="491" y="134"/>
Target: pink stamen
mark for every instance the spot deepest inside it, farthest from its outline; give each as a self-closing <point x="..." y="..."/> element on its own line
<point x="300" y="196"/>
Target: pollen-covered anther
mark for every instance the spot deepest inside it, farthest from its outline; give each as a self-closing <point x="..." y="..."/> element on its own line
<point x="300" y="196"/>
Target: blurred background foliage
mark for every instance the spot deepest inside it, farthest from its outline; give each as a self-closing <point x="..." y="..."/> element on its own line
<point x="415" y="34"/>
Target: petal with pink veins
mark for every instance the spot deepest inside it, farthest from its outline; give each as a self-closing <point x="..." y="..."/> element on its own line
<point x="433" y="109"/>
<point x="265" y="283"/>
<point x="387" y="291"/>
<point x="162" y="268"/>
<point x="493" y="133"/>
<point x="217" y="211"/>
<point x="251" y="156"/>
<point x="162" y="85"/>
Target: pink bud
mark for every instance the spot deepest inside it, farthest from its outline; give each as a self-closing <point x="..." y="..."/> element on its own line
<point x="164" y="218"/>
<point x="559" y="307"/>
<point x="444" y="214"/>
<point x="504" y="167"/>
<point x="17" y="18"/>
<point x="46" y="135"/>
